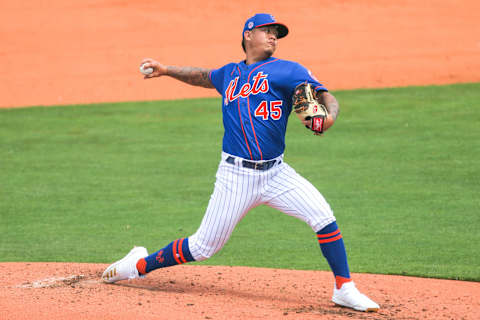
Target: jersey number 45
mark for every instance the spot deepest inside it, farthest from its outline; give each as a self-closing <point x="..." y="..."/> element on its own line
<point x="275" y="110"/>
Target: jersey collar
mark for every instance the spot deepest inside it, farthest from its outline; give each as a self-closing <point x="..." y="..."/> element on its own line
<point x="244" y="65"/>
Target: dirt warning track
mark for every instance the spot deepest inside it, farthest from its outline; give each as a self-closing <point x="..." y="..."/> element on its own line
<point x="66" y="52"/>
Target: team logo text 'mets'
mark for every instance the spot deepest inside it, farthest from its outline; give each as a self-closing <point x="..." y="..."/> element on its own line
<point x="260" y="85"/>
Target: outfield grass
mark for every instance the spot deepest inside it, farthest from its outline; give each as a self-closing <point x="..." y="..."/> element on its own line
<point x="400" y="169"/>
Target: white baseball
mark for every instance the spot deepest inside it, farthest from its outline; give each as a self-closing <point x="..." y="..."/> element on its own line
<point x="145" y="71"/>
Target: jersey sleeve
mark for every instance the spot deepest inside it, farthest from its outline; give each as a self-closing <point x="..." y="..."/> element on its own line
<point x="217" y="77"/>
<point x="302" y="75"/>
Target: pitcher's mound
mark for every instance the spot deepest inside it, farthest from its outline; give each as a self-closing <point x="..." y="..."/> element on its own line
<point x="75" y="291"/>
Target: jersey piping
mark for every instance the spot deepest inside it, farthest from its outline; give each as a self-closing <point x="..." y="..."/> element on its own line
<point x="241" y="122"/>
<point x="248" y="105"/>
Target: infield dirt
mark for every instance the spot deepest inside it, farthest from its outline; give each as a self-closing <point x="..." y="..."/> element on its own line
<point x="63" y="52"/>
<point x="74" y="291"/>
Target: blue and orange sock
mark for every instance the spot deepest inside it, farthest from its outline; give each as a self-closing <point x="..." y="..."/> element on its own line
<point x="333" y="249"/>
<point x="176" y="252"/>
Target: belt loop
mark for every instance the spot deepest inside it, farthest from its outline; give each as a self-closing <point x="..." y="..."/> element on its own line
<point x="230" y="160"/>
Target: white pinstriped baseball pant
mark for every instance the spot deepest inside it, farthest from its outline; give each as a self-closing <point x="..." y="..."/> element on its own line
<point x="238" y="190"/>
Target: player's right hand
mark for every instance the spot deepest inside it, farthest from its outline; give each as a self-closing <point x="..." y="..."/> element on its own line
<point x="158" y="68"/>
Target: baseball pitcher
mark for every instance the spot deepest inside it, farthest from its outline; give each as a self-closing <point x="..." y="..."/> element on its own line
<point x="258" y="95"/>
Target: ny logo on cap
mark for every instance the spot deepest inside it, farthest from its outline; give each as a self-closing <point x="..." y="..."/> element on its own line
<point x="250" y="25"/>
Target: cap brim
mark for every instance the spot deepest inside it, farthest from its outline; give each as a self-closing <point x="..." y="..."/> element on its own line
<point x="282" y="29"/>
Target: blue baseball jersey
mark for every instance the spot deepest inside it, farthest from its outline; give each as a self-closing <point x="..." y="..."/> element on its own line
<point x="256" y="104"/>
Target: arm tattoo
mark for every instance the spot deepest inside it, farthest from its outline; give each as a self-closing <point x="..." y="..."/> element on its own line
<point x="330" y="103"/>
<point x="194" y="76"/>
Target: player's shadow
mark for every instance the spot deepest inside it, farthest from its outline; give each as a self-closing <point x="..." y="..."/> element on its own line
<point x="222" y="289"/>
<point x="289" y="302"/>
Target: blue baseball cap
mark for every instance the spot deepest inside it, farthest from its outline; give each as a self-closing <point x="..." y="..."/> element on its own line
<point x="265" y="19"/>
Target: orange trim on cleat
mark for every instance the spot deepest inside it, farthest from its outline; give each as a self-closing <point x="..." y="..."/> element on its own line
<point x="339" y="281"/>
<point x="142" y="266"/>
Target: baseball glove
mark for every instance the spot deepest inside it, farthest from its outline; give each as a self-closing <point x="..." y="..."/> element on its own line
<point x="307" y="108"/>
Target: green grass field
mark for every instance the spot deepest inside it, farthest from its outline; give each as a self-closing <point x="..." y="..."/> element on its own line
<point x="400" y="168"/>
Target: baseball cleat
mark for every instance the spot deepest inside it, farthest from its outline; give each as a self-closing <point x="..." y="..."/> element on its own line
<point x="126" y="268"/>
<point x="349" y="296"/>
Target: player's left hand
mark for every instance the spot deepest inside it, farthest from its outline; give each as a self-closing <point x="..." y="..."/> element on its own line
<point x="327" y="124"/>
<point x="308" y="125"/>
<point x="313" y="114"/>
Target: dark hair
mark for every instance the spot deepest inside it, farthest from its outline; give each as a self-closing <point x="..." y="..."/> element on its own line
<point x="243" y="45"/>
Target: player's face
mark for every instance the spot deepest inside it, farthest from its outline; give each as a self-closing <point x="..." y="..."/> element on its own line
<point x="264" y="39"/>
